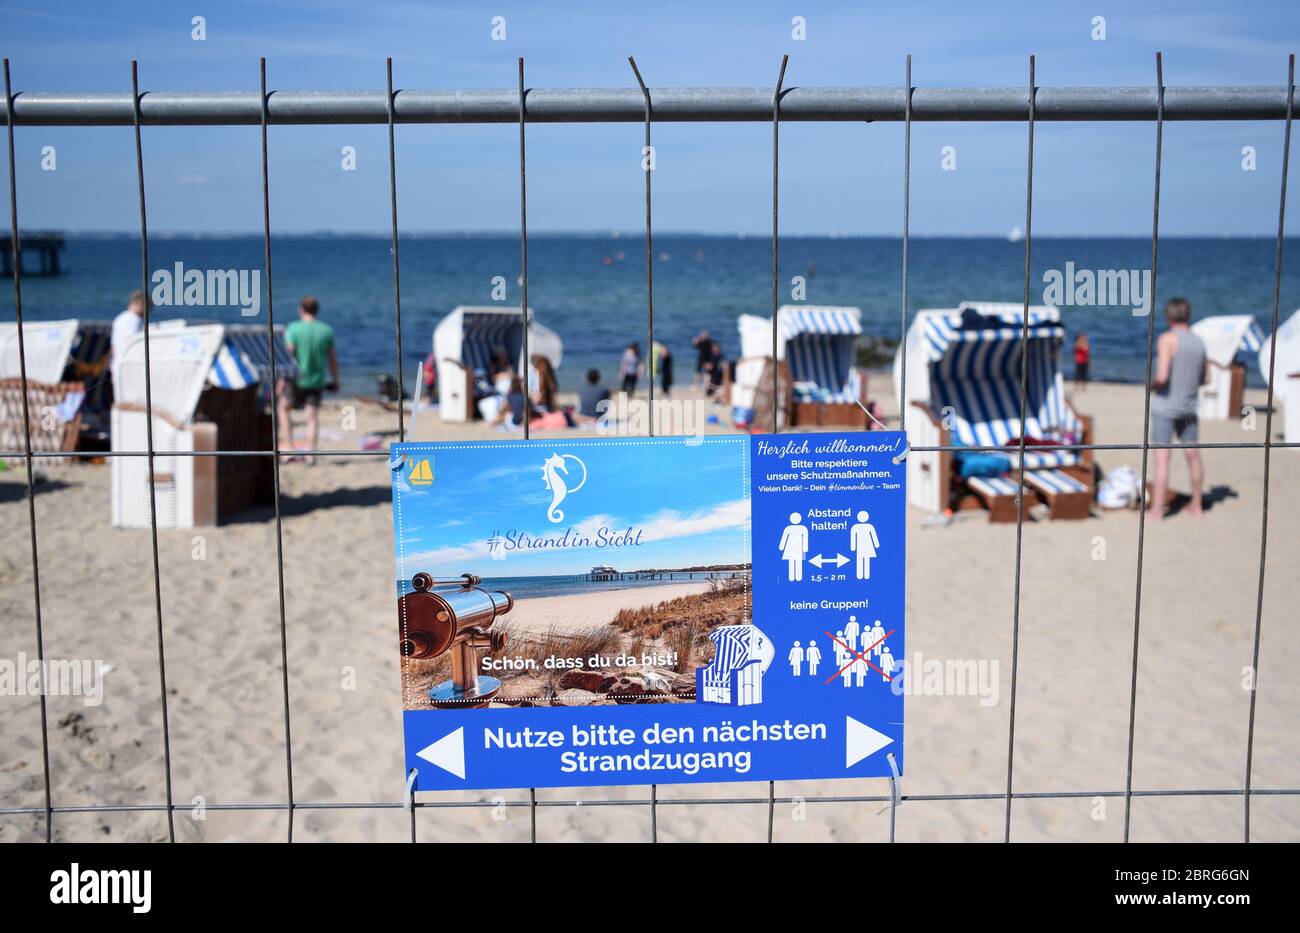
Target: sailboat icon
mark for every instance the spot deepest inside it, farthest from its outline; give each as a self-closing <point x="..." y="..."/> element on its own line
<point x="421" y="473"/>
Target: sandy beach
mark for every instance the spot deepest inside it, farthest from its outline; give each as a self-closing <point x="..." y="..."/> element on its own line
<point x="224" y="691"/>
<point x="589" y="610"/>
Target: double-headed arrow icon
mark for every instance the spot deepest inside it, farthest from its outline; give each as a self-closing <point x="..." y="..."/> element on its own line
<point x="839" y="560"/>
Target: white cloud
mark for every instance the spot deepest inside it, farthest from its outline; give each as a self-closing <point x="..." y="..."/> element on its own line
<point x="672" y="524"/>
<point x="663" y="526"/>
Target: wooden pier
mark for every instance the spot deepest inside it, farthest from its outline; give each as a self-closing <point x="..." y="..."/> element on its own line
<point x="46" y="244"/>
<point x="683" y="575"/>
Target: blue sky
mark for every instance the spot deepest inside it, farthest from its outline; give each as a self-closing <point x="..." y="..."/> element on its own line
<point x="1091" y="179"/>
<point x="689" y="502"/>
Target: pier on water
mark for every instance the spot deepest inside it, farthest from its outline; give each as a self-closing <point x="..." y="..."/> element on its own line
<point x="685" y="576"/>
<point x="47" y="245"/>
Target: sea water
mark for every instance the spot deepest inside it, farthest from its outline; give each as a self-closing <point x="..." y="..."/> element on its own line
<point x="591" y="289"/>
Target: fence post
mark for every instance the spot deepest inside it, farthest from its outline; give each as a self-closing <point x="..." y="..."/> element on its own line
<point x="153" y="486"/>
<point x="27" y="455"/>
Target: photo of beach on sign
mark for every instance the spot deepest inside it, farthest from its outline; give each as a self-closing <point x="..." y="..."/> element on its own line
<point x="567" y="574"/>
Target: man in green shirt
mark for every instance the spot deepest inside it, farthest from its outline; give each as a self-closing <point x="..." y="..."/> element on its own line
<point x="312" y="344"/>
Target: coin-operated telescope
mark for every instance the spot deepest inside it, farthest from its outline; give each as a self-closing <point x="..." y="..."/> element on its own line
<point x="453" y="614"/>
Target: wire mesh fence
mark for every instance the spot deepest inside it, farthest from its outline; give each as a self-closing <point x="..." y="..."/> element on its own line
<point x="648" y="105"/>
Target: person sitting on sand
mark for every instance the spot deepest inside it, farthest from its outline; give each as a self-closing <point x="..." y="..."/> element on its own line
<point x="543" y="395"/>
<point x="492" y="392"/>
<point x="542" y="385"/>
<point x="430" y="375"/>
<point x="1181" y="370"/>
<point x="312" y="344"/>
<point x="499" y="374"/>
<point x="510" y="413"/>
<point x="590" y="397"/>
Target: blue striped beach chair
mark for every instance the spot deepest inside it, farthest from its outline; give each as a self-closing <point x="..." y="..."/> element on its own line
<point x="247" y="342"/>
<point x="963" y="390"/>
<point x="467" y="339"/>
<point x="816" y="349"/>
<point x="205" y="391"/>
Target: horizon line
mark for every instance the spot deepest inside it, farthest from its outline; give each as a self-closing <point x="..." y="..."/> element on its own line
<point x="630" y="234"/>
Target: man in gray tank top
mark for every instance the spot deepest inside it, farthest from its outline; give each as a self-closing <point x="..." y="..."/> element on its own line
<point x="1180" y="371"/>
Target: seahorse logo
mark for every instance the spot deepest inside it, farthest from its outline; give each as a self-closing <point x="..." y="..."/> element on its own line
<point x="555" y="472"/>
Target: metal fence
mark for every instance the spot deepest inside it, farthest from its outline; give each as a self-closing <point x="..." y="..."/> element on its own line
<point x="906" y="104"/>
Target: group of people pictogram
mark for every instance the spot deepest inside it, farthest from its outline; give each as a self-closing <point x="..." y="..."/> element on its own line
<point x="857" y="649"/>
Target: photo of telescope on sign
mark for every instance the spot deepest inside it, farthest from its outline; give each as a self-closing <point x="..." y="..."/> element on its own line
<point x="607" y="585"/>
<point x="453" y="614"/>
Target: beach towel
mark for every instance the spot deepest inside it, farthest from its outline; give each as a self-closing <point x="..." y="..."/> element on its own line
<point x="549" y="420"/>
<point x="976" y="463"/>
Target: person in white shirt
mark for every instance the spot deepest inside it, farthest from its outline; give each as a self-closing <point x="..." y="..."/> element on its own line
<point x="126" y="325"/>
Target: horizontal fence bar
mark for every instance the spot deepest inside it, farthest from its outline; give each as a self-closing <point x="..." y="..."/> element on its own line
<point x="627" y="105"/>
<point x="916" y="448"/>
<point x="662" y="801"/>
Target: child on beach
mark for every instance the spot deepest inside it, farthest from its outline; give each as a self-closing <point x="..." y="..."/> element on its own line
<point x="1082" y="356"/>
<point x="630" y="366"/>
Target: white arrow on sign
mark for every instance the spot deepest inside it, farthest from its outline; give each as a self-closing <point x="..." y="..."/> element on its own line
<point x="448" y="753"/>
<point x="839" y="560"/>
<point x="860" y="740"/>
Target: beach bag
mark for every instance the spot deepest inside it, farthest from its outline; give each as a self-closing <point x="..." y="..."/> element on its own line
<point x="1120" y="489"/>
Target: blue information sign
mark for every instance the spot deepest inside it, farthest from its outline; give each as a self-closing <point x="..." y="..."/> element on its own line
<point x="657" y="610"/>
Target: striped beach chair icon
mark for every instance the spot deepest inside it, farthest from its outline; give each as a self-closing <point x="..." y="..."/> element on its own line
<point x="742" y="655"/>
